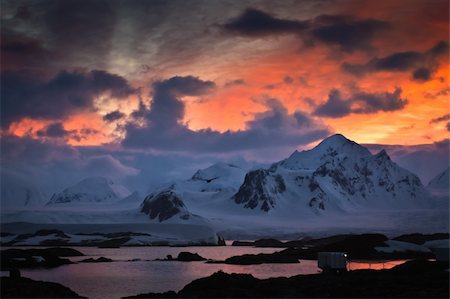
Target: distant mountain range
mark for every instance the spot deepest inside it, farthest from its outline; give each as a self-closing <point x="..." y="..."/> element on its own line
<point x="337" y="177"/>
<point x="91" y="190"/>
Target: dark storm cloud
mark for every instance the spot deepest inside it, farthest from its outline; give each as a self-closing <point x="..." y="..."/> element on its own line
<point x="335" y="106"/>
<point x="25" y="95"/>
<point x="166" y="109"/>
<point x="360" y="103"/>
<point x="422" y="64"/>
<point x="22" y="52"/>
<point x="113" y="116"/>
<point x="85" y="25"/>
<point x="422" y="74"/>
<point x="164" y="131"/>
<point x="140" y="113"/>
<point x="346" y="32"/>
<point x="439" y="119"/>
<point x="253" y="22"/>
<point x="52" y="35"/>
<point x="55" y="130"/>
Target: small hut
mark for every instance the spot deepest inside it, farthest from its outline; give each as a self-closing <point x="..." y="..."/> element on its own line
<point x="335" y="262"/>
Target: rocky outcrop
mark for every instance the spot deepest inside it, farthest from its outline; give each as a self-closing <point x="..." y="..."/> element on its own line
<point x="260" y="189"/>
<point x="413" y="279"/>
<point x="164" y="205"/>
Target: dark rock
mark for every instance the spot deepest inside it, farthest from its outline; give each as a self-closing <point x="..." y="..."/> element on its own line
<point x="58" y="234"/>
<point x="268" y="243"/>
<point x="63" y="251"/>
<point x="33" y="258"/>
<point x="115" y="235"/>
<point x="422" y="238"/>
<point x="243" y="243"/>
<point x="263" y="258"/>
<point x="416" y="279"/>
<point x="27" y="288"/>
<point x="163" y="205"/>
<point x="189" y="257"/>
<point x="54" y="242"/>
<point x="356" y="246"/>
<point x="169" y="294"/>
<point x="220" y="241"/>
<point x="253" y="190"/>
<point x="14" y="274"/>
<point x="99" y="260"/>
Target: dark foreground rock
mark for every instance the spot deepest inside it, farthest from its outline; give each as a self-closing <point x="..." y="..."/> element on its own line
<point x="263" y="258"/>
<point x="36" y="258"/>
<point x="99" y="260"/>
<point x="189" y="257"/>
<point x="27" y="288"/>
<point x="415" y="279"/>
<point x="422" y="238"/>
<point x="184" y="256"/>
<point x="356" y="246"/>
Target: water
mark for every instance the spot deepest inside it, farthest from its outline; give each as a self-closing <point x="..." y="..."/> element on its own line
<point x="124" y="278"/>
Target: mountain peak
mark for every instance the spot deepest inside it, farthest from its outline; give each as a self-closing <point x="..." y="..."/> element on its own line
<point x="219" y="171"/>
<point x="383" y="155"/>
<point x="336" y="140"/>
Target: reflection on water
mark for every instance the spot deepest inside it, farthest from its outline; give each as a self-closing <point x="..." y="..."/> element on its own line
<point x="374" y="265"/>
<point x="124" y="278"/>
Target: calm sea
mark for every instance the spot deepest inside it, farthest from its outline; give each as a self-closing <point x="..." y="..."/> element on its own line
<point x="124" y="277"/>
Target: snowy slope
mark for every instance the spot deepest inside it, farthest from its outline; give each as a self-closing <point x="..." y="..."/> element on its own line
<point x="336" y="187"/>
<point x="338" y="183"/>
<point x="440" y="184"/>
<point x="90" y="190"/>
<point x="337" y="175"/>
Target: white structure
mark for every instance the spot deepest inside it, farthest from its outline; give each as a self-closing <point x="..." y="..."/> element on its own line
<point x="332" y="261"/>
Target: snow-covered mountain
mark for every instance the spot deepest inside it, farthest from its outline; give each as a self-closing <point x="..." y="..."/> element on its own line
<point x="336" y="175"/>
<point x="219" y="176"/>
<point x="338" y="185"/>
<point x="210" y="188"/>
<point x="91" y="190"/>
<point x="167" y="206"/>
<point x="440" y="184"/>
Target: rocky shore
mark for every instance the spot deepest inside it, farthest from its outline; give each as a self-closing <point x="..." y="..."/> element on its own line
<point x="414" y="279"/>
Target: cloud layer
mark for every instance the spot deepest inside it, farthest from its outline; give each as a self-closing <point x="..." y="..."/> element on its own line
<point x="422" y="64"/>
<point x="26" y="95"/>
<point x="344" y="31"/>
<point x="360" y="103"/>
<point x="164" y="129"/>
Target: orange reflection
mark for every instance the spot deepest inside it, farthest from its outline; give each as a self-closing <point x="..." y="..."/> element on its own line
<point x="374" y="265"/>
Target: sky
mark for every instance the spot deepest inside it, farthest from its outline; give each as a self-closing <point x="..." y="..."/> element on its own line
<point x="146" y="91"/>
